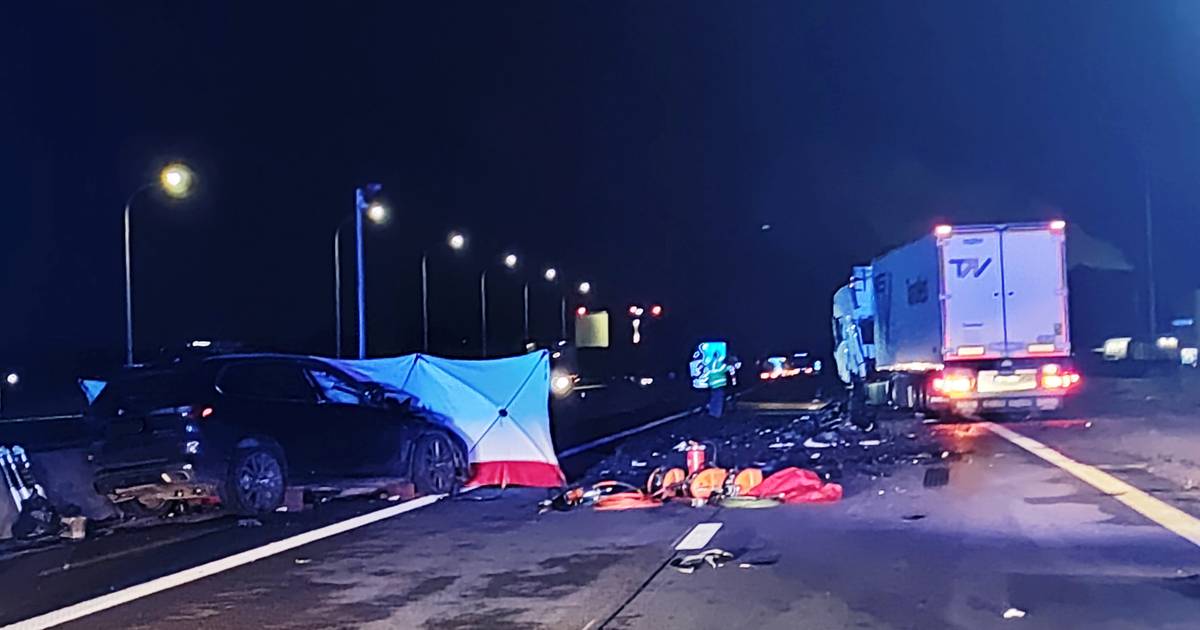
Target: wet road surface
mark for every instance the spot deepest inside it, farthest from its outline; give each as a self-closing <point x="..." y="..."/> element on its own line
<point x="1008" y="531"/>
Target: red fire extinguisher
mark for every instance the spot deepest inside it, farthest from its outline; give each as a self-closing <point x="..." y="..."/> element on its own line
<point x="695" y="457"/>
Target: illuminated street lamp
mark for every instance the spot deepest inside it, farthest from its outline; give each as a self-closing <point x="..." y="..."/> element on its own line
<point x="585" y="288"/>
<point x="374" y="212"/>
<point x="176" y="180"/>
<point x="510" y="261"/>
<point x="10" y="380"/>
<point x="551" y="274"/>
<point x="457" y="242"/>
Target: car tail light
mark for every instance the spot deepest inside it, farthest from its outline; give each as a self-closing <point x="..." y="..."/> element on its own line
<point x="764" y="375"/>
<point x="196" y="412"/>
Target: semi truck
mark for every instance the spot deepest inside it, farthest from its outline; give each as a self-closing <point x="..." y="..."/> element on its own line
<point x="970" y="320"/>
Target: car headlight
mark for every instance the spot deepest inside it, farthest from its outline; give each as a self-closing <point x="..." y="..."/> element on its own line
<point x="561" y="383"/>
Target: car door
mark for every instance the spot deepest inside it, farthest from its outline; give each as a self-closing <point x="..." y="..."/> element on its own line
<point x="274" y="399"/>
<point x="369" y="435"/>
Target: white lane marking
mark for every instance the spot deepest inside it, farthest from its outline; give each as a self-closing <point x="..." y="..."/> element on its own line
<point x="1171" y="518"/>
<point x="73" y="416"/>
<point x="628" y="432"/>
<point x="158" y="585"/>
<point x="698" y="537"/>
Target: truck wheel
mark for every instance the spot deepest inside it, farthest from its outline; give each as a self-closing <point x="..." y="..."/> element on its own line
<point x="435" y="466"/>
<point x="255" y="482"/>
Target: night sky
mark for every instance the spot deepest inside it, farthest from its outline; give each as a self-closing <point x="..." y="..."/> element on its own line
<point x="641" y="146"/>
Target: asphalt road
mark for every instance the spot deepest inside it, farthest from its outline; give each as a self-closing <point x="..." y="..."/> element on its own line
<point x="1008" y="531"/>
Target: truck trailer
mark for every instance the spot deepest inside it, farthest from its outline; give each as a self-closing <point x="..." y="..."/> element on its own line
<point x="969" y="320"/>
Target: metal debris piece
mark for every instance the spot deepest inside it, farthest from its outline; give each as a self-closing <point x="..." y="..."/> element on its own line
<point x="936" y="477"/>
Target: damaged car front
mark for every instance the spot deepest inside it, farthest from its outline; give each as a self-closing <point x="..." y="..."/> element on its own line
<point x="239" y="430"/>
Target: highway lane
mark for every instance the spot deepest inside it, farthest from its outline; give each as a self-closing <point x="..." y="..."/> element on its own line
<point x="1008" y="531"/>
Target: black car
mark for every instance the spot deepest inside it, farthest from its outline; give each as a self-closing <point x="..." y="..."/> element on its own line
<point x="240" y="429"/>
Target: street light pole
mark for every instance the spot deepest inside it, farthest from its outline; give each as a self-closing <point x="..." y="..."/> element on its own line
<point x="483" y="312"/>
<point x="525" y="295"/>
<point x="360" y="286"/>
<point x="129" y="278"/>
<point x="1152" y="303"/>
<point x="562" y="311"/>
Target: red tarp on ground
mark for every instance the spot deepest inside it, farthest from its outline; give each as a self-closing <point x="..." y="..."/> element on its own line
<point x="795" y="485"/>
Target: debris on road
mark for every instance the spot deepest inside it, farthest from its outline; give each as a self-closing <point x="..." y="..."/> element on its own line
<point x="1014" y="613"/>
<point x="936" y="477"/>
<point x="824" y="442"/>
<point x="249" y="522"/>
<point x="715" y="558"/>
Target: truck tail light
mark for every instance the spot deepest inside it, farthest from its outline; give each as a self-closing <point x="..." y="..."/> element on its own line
<point x="1055" y="377"/>
<point x="952" y="384"/>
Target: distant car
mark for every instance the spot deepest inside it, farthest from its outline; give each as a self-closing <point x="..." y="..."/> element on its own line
<point x="783" y="366"/>
<point x="241" y="428"/>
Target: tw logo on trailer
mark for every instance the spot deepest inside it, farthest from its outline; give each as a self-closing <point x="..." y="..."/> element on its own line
<point x="964" y="267"/>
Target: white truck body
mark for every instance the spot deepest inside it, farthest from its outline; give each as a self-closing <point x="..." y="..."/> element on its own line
<point x="984" y="304"/>
<point x="977" y="292"/>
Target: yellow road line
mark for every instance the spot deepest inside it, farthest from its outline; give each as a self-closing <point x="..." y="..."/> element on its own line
<point x="1173" y="519"/>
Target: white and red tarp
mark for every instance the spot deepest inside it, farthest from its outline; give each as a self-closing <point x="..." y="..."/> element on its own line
<point x="500" y="407"/>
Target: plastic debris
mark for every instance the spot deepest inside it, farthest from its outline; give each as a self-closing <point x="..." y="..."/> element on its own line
<point x="637" y="463"/>
<point x="778" y="445"/>
<point x="870" y="442"/>
<point x="303" y="560"/>
<point x="249" y="522"/>
<point x="813" y="443"/>
<point x="715" y="558"/>
<point x="1014" y="613"/>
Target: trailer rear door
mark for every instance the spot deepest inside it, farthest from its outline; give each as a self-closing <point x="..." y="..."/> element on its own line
<point x="973" y="309"/>
<point x="1035" y="292"/>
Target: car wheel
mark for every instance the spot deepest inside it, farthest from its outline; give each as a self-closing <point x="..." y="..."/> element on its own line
<point x="145" y="507"/>
<point x="435" y="466"/>
<point x="256" y="481"/>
